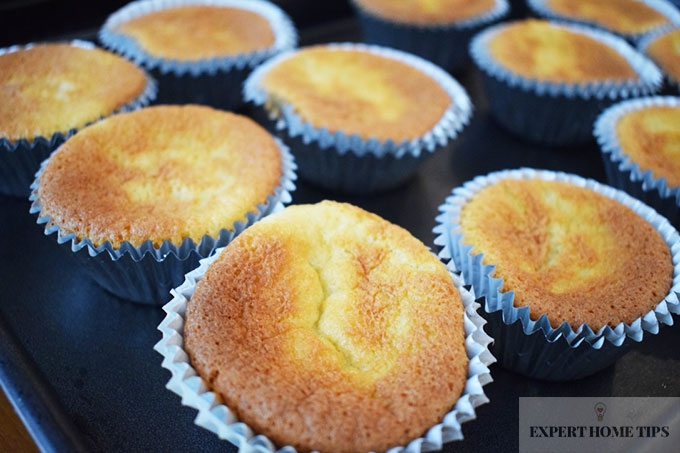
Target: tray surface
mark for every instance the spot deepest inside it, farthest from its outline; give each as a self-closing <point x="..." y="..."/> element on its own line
<point x="79" y="363"/>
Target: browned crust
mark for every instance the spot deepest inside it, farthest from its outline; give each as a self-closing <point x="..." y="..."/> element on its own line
<point x="53" y="88"/>
<point x="568" y="252"/>
<point x="665" y="51"/>
<point x="357" y="92"/>
<point x="434" y="12"/>
<point x="160" y="173"/>
<point x="541" y="50"/>
<point x="200" y="31"/>
<point x="326" y="327"/>
<point x="650" y="137"/>
<point x="622" y="16"/>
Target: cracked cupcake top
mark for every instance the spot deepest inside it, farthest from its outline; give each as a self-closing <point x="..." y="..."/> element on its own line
<point x="327" y="327"/>
<point x="568" y="252"/>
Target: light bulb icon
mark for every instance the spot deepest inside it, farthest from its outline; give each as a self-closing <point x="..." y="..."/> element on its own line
<point x="600" y="409"/>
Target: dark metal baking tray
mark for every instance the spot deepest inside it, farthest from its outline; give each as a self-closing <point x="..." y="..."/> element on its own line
<point x="79" y="365"/>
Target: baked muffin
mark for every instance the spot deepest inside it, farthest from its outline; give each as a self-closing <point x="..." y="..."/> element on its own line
<point x="630" y="19"/>
<point x="571" y="270"/>
<point x="199" y="50"/>
<point x="50" y="90"/>
<point x="547" y="81"/>
<point x="149" y="192"/>
<point x="326" y="328"/>
<point x="358" y="118"/>
<point x="663" y="48"/>
<point x="439" y="31"/>
<point x="638" y="139"/>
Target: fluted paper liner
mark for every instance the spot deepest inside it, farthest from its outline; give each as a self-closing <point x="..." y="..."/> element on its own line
<point x="533" y="347"/>
<point x="213" y="81"/>
<point x="216" y="417"/>
<point x="558" y="113"/>
<point x="646" y="40"/>
<point x="665" y="8"/>
<point x="146" y="273"/>
<point x="344" y="160"/>
<point x="624" y="173"/>
<point x="20" y="159"/>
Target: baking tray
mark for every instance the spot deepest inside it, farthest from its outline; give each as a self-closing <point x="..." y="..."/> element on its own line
<point x="78" y="363"/>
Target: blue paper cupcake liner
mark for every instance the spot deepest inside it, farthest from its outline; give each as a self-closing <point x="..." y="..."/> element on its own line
<point x="444" y="44"/>
<point x="627" y="175"/>
<point x="210" y="81"/>
<point x="346" y="162"/>
<point x="542" y="9"/>
<point x="559" y="114"/>
<point x="20" y="159"/>
<point x="672" y="83"/>
<point x="533" y="347"/>
<point x="214" y="416"/>
<point x="146" y="274"/>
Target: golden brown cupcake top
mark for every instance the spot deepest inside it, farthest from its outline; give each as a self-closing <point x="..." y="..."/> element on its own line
<point x="665" y="51"/>
<point x="568" y="252"/>
<point x="50" y="88"/>
<point x="622" y="16"/>
<point x="327" y="327"/>
<point x="549" y="52"/>
<point x="357" y="92"/>
<point x="650" y="136"/>
<point x="159" y="173"/>
<point x="199" y="31"/>
<point x="427" y="11"/>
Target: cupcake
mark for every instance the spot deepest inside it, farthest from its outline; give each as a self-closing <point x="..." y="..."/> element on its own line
<point x="439" y="31"/>
<point x="199" y="50"/>
<point x="630" y="19"/>
<point x="547" y="82"/>
<point x="638" y="139"/>
<point x="572" y="271"/>
<point x="663" y="48"/>
<point x="326" y="328"/>
<point x="358" y="118"/>
<point x="49" y="91"/>
<point x="142" y="196"/>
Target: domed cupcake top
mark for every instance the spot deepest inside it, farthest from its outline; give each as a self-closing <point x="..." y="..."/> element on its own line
<point x="625" y="17"/>
<point x="427" y="12"/>
<point x="664" y="49"/>
<point x="162" y="173"/>
<point x="542" y="50"/>
<point x="357" y="92"/>
<point x="568" y="252"/>
<point x="649" y="136"/>
<point x="214" y="31"/>
<point x="55" y="87"/>
<point x="328" y="328"/>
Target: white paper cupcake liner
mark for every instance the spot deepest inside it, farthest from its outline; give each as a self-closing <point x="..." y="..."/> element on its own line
<point x="212" y="81"/>
<point x="146" y="274"/>
<point x="643" y="43"/>
<point x="665" y="8"/>
<point x="20" y="159"/>
<point x="347" y="162"/>
<point x="627" y="175"/>
<point x="532" y="347"/>
<point x="557" y="113"/>
<point x="219" y="419"/>
<point x="445" y="44"/>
